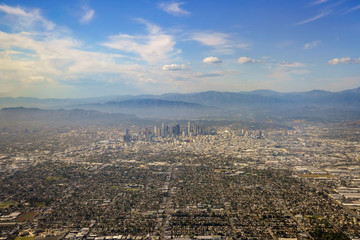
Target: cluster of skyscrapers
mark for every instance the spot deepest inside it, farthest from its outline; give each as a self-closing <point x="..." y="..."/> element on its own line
<point x="166" y="131"/>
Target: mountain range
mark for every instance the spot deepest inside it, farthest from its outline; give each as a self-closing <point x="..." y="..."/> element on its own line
<point x="212" y="104"/>
<point x="62" y="117"/>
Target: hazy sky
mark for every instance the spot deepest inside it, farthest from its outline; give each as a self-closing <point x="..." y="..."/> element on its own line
<point x="98" y="48"/>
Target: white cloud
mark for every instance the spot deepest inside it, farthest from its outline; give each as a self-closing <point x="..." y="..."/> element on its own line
<point x="173" y="8"/>
<point x="87" y="16"/>
<point x="22" y="18"/>
<point x="222" y="42"/>
<point x="173" y="67"/>
<point x="50" y="57"/>
<point x="321" y="15"/>
<point x="244" y="60"/>
<point x="17" y="11"/>
<point x="212" y="60"/>
<point x="211" y="38"/>
<point x="346" y="60"/>
<point x="154" y="47"/>
<point x="312" y="44"/>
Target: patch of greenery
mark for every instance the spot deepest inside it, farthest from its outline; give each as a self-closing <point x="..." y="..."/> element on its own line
<point x="321" y="235"/>
<point x="24" y="238"/>
<point x="7" y="204"/>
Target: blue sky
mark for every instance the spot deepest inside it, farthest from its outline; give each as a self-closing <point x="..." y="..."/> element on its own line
<point x="97" y="48"/>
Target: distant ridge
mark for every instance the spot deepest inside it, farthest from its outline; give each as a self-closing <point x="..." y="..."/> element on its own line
<point x="153" y="103"/>
<point x="224" y="99"/>
<point x="260" y="104"/>
<point x="153" y="108"/>
<point x="22" y="114"/>
<point x="198" y="99"/>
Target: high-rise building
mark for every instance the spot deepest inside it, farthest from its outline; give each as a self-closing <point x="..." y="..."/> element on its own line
<point x="148" y="133"/>
<point x="127" y="137"/>
<point x="261" y="134"/>
<point x="155" y="131"/>
<point x="189" y="129"/>
<point x="176" y="130"/>
<point x="163" y="132"/>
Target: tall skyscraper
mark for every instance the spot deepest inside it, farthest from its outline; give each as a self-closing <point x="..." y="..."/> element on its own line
<point x="155" y="131"/>
<point x="163" y="131"/>
<point x="189" y="129"/>
<point x="127" y="137"/>
<point x="176" y="130"/>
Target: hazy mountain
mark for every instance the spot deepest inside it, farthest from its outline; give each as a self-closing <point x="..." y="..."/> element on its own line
<point x="153" y="103"/>
<point x="209" y="98"/>
<point x="267" y="97"/>
<point x="257" y="104"/>
<point x="225" y="99"/>
<point x="154" y="108"/>
<point x="74" y="116"/>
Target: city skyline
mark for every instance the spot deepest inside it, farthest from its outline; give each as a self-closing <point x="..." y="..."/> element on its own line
<point x="87" y="49"/>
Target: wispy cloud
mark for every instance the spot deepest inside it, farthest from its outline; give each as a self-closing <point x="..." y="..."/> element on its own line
<point x="152" y="48"/>
<point x="173" y="8"/>
<point x="321" y="15"/>
<point x="291" y="64"/>
<point x="209" y="75"/>
<point x="353" y="9"/>
<point x="319" y="2"/>
<point x="312" y="44"/>
<point x="346" y="60"/>
<point x="212" y="60"/>
<point x="245" y="60"/>
<point x="221" y="42"/>
<point x="87" y="15"/>
<point x="211" y="38"/>
<point x="286" y="70"/>
<point x="25" y="18"/>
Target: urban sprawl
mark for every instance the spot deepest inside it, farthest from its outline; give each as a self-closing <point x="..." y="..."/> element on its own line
<point x="193" y="180"/>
